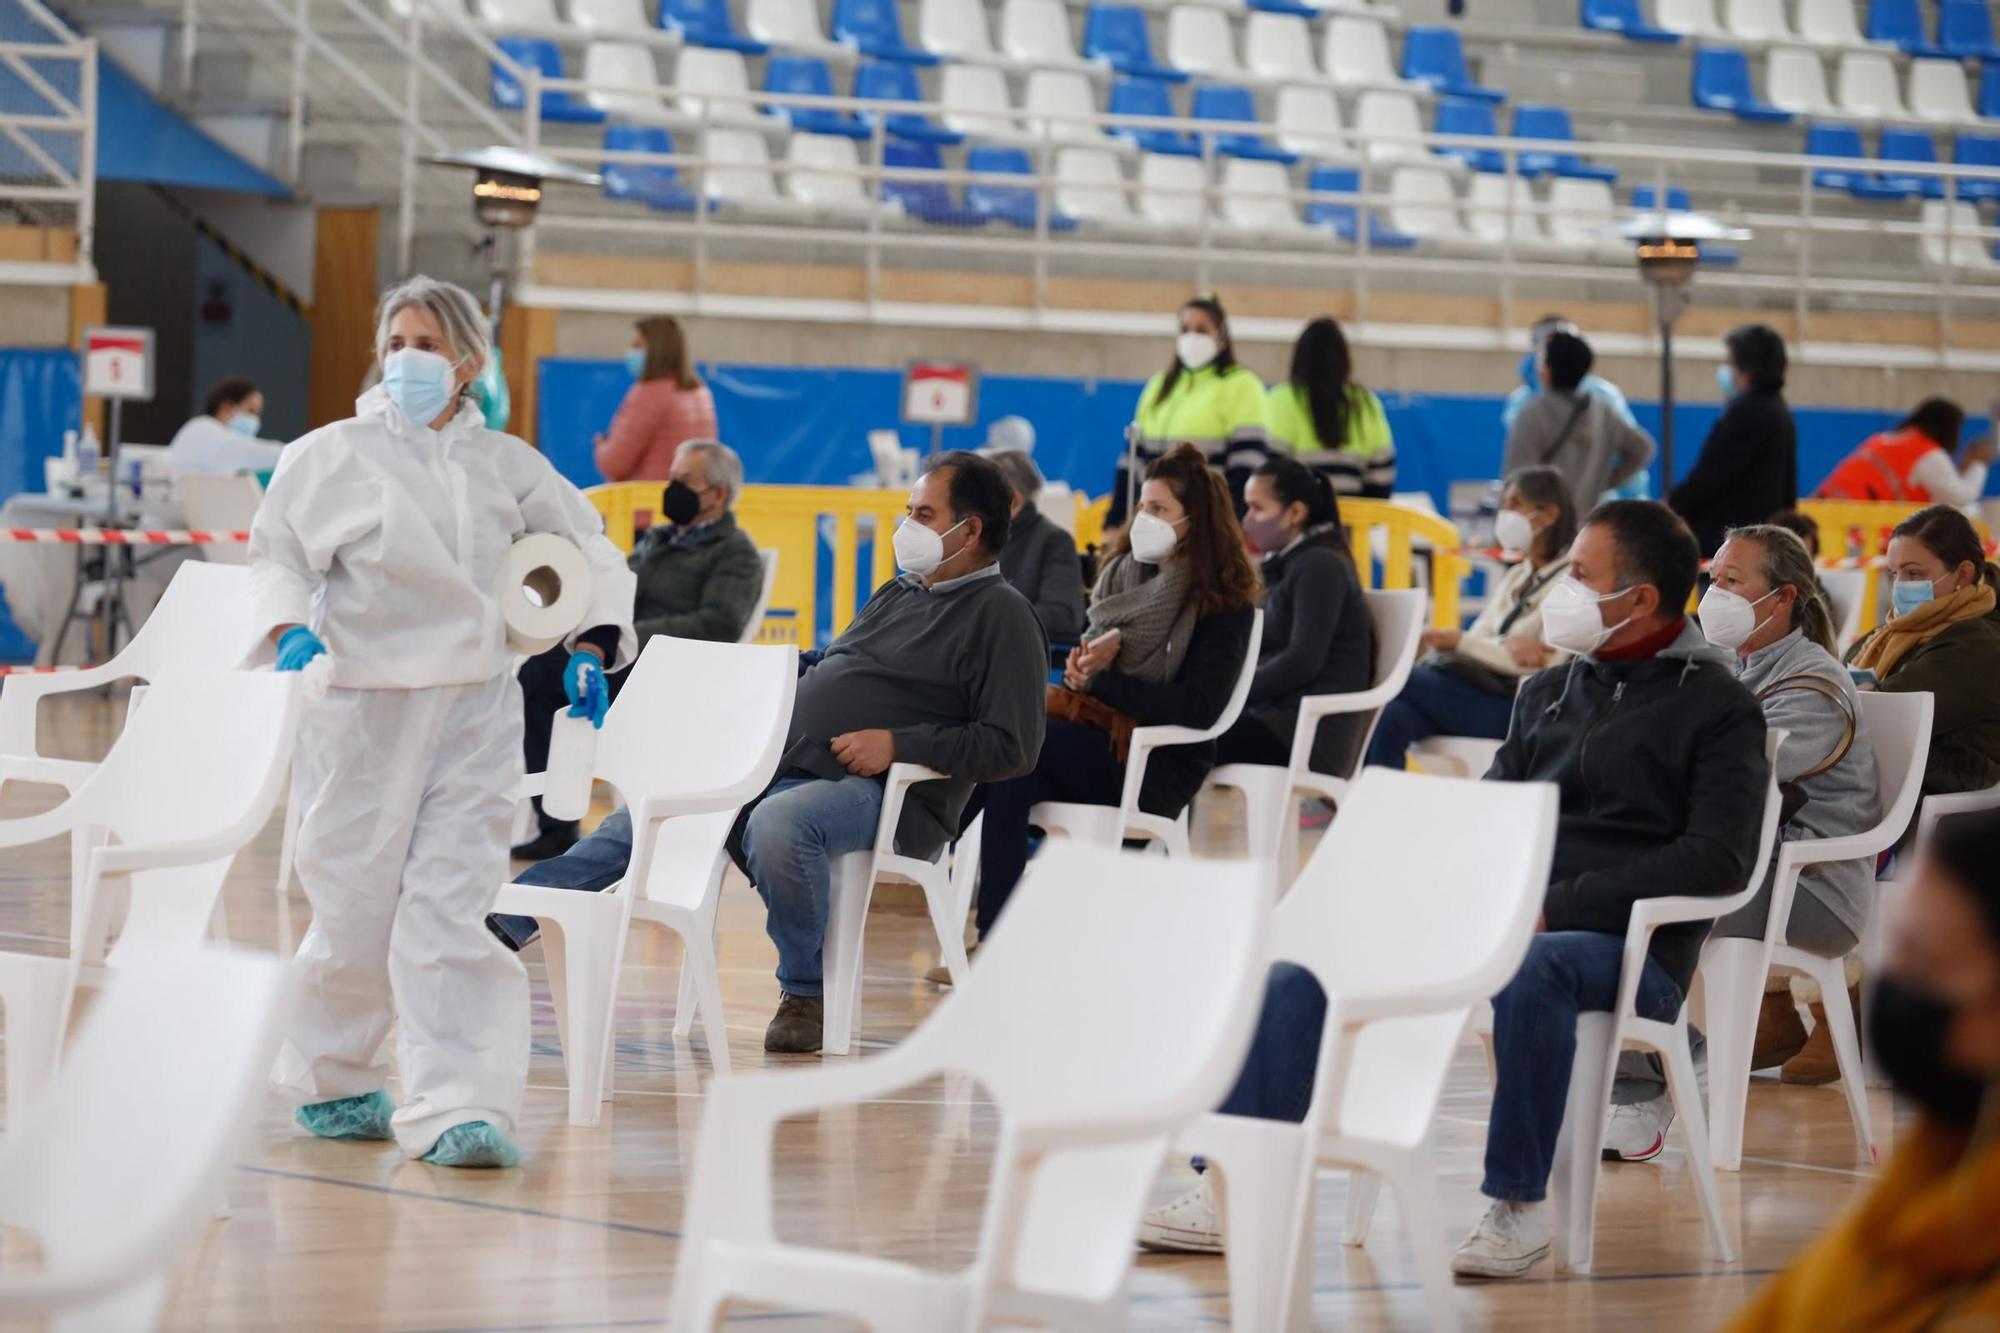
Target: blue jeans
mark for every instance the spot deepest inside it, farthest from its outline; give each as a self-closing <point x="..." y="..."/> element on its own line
<point x="797" y="827"/>
<point x="1277" y="1078"/>
<point x="1436" y="703"/>
<point x="1567" y="972"/>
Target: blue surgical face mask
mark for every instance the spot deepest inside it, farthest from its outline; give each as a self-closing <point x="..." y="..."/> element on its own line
<point x="1906" y="595"/>
<point x="635" y="361"/>
<point x="246" y="424"/>
<point x="1725" y="379"/>
<point x="420" y="383"/>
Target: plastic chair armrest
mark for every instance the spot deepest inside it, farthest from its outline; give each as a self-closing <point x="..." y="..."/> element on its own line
<point x="35" y="828"/>
<point x="158" y="855"/>
<point x="901" y="777"/>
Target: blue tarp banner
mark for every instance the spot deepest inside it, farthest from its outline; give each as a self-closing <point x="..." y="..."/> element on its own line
<point x="41" y="396"/>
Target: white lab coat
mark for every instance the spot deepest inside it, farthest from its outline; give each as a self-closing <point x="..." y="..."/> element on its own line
<point x="386" y="539"/>
<point x="204" y="447"/>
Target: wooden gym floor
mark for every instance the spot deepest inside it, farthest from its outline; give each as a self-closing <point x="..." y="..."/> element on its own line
<point x="585" y="1236"/>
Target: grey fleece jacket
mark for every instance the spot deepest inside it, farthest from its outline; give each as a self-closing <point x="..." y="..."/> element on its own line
<point x="1841" y="801"/>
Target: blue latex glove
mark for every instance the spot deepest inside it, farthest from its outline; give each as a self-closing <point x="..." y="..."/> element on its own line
<point x="296" y="647"/>
<point x="583" y="682"/>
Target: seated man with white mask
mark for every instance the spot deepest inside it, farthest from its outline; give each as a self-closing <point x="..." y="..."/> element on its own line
<point x="946" y="666"/>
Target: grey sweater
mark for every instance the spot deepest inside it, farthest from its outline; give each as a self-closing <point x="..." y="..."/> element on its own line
<point x="1601" y="451"/>
<point x="1841" y="801"/>
<point x="957" y="674"/>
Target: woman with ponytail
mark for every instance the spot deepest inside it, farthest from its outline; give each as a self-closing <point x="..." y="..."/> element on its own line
<point x="1320" y="410"/>
<point x="1318" y="638"/>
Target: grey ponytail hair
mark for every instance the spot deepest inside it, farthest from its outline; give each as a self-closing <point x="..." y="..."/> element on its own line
<point x="1787" y="562"/>
<point x="456" y="312"/>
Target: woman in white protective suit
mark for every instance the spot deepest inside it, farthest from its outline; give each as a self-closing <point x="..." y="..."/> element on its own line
<point x="379" y="544"/>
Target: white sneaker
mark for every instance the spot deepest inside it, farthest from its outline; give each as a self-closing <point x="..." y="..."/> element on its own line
<point x="1506" y="1242"/>
<point x="1638" y="1133"/>
<point x="1188" y="1225"/>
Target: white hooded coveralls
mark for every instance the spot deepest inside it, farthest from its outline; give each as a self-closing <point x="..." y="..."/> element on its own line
<point x="385" y="538"/>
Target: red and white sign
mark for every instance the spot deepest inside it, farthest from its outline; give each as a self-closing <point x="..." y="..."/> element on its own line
<point x="940" y="393"/>
<point x="118" y="363"/>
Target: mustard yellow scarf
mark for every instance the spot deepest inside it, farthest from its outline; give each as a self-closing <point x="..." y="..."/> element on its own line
<point x="1900" y="634"/>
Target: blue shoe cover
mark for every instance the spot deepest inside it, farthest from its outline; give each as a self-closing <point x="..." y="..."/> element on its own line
<point x="474" y="1143"/>
<point x="350" y="1117"/>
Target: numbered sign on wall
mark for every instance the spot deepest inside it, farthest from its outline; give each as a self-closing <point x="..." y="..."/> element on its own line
<point x="940" y="393"/>
<point x="118" y="363"/>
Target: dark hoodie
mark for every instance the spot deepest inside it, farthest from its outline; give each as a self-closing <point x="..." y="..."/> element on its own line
<point x="1318" y="639"/>
<point x="1661" y="769"/>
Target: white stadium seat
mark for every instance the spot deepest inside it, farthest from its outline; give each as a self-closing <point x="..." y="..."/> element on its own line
<point x="974" y="98"/>
<point x="1251" y="199"/>
<point x="1170" y="189"/>
<point x="1394" y="115"/>
<point x="1307" y="122"/>
<point x="700" y="70"/>
<point x="955" y="29"/>
<point x="1866" y="86"/>
<point x="1795" y="81"/>
<point x="1199" y="41"/>
<point x="618" y="73"/>
<point x="610" y="17"/>
<point x="1421" y="204"/>
<point x="1058" y="92"/>
<point x="1689" y="18"/>
<point x="740" y="169"/>
<point x="1278" y="47"/>
<point x="1830" y="23"/>
<point x="1580" y="217"/>
<point x="1486" y="203"/>
<point x="518" y="15"/>
<point x="834" y="185"/>
<point x="1090" y="185"/>
<point x="792" y="24"/>
<point x="1938" y="92"/>
<point x="1968" y="253"/>
<point x="1036" y="32"/>
<point x="1356" y="54"/>
<point x="1756" y="20"/>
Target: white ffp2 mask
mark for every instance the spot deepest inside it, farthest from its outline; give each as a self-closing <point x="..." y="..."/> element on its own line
<point x="1514" y="533"/>
<point x="1196" y="349"/>
<point x="1571" y="620"/>
<point x="1152" y="539"/>
<point x="1729" y="619"/>
<point x="920" y="550"/>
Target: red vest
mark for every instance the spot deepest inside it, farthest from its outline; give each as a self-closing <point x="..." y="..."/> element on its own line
<point x="1880" y="469"/>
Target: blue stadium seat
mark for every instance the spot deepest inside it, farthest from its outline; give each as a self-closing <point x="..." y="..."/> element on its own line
<point x="539" y="54"/>
<point x="1722" y="83"/>
<point x="1229" y="102"/>
<point x="1148" y="97"/>
<point x="1435" y="56"/>
<point x="1977" y="150"/>
<point x="1341" y="216"/>
<point x="654" y="186"/>
<point x="1552" y="123"/>
<point x="1013" y="204"/>
<point x="1625" y="18"/>
<point x="1459" y="115"/>
<point x="1906" y="145"/>
<point x="1722" y="256"/>
<point x="1989" y="89"/>
<point x="706" y="23"/>
<point x="883" y="81"/>
<point x="873" y="28"/>
<point x="1901" y="22"/>
<point x="808" y="76"/>
<point x="1845" y="141"/>
<point x="1287" y="7"/>
<point x="1116" y="35"/>
<point x="930" y="200"/>
<point x="1965" y="29"/>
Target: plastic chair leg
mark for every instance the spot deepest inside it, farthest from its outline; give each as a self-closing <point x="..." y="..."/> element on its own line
<point x="1686" y="1092"/>
<point x="1175" y="843"/>
<point x="687" y="998"/>
<point x="1423" y="1218"/>
<point x="31" y="1004"/>
<point x="853" y="884"/>
<point x="583" y="957"/>
<point x="1262" y="1196"/>
<point x="949" y="922"/>
<point x="1732" y="976"/>
<point x="1832" y="979"/>
<point x="1364" y="1191"/>
<point x="1573" y="1182"/>
<point x="698" y="970"/>
<point x="287" y="848"/>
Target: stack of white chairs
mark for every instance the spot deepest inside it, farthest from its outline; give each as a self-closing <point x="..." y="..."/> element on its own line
<point x="1092" y="1067"/>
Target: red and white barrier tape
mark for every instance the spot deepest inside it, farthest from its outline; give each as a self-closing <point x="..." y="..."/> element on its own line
<point x="123" y="536"/>
<point x="42" y="670"/>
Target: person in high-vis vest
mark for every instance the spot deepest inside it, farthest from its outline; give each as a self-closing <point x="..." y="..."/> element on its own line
<point x="1205" y="399"/>
<point x="1913" y="462"/>
<point x="1335" y="425"/>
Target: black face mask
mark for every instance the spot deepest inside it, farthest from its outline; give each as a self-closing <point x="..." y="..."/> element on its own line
<point x="680" y="503"/>
<point x="1907" y="1030"/>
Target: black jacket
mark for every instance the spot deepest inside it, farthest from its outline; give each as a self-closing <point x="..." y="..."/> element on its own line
<point x="1195" y="697"/>
<point x="1041" y="560"/>
<point x="1748" y="469"/>
<point x="1662" y="775"/>
<point x="1318" y="639"/>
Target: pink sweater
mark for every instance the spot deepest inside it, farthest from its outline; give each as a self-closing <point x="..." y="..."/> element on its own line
<point x="656" y="417"/>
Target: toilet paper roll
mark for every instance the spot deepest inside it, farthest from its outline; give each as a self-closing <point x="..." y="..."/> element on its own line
<point x="544" y="590"/>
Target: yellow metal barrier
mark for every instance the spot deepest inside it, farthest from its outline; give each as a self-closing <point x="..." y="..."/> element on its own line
<point x="1401" y="528"/>
<point x="1860" y="528"/>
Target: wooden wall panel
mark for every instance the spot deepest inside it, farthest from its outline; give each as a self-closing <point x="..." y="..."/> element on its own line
<point x="346" y="256"/>
<point x="87" y="306"/>
<point x="527" y="334"/>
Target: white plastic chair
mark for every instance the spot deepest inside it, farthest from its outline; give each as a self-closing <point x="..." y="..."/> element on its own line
<point x="1830" y="23"/>
<point x="755" y="624"/>
<point x="794" y="25"/>
<point x="1036" y="33"/>
<point x="1950" y="240"/>
<point x="1756" y="20"/>
<point x="1865" y="86"/>
<point x="1064" y="93"/>
<point x="1278" y="48"/>
<point x="117" y="1167"/>
<point x="612" y="18"/>
<point x="1270" y="793"/>
<point x="1795" y="81"/>
<point x="1387" y="126"/>
<point x="1689" y="18"/>
<point x="621" y="81"/>
<point x="1421" y="204"/>
<point x="188" y="784"/>
<point x="739" y="169"/>
<point x="1090" y="185"/>
<point x="1091" y="1064"/>
<point x="1199" y="41"/>
<point x="974" y="101"/>
<point x="1356" y="54"/>
<point x="1407" y="932"/>
<point x="1844" y="589"/>
<point x="1306" y="121"/>
<point x="1601" y="1036"/>
<point x="1108" y="825"/>
<point x="718" y="78"/>
<point x="1733" y="970"/>
<point x="1580" y="215"/>
<point x="1938" y="93"/>
<point x="824" y="172"/>
<point x="1254" y="199"/>
<point x="727" y="708"/>
<point x="220" y="504"/>
<point x="1170" y="189"/>
<point x="955" y="29"/>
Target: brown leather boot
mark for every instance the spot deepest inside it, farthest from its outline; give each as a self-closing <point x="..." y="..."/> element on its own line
<point x="1817" y="1064"/>
<point x="1781" y="1033"/>
<point x="796" y="1029"/>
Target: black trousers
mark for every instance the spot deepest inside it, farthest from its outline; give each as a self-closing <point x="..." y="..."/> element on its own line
<point x="542" y="694"/>
<point x="1076" y="765"/>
